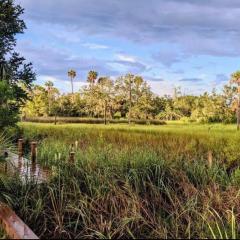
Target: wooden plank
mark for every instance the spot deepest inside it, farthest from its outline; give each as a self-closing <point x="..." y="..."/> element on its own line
<point x="14" y="227"/>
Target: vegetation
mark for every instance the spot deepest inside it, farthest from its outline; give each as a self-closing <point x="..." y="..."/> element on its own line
<point x="130" y="97"/>
<point x="138" y="182"/>
<point x="174" y="180"/>
<point x="61" y="120"/>
<point x="3" y="234"/>
<point x="16" y="76"/>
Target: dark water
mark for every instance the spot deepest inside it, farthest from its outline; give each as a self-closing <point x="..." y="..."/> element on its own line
<point x="24" y="167"/>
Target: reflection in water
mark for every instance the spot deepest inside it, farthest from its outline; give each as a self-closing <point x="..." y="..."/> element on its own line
<point x="25" y="168"/>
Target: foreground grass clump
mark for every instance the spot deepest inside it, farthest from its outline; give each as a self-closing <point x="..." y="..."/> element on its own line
<point x="135" y="182"/>
<point x="3" y="234"/>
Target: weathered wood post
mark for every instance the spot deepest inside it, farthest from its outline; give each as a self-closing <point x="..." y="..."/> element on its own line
<point x="210" y="158"/>
<point x="72" y="157"/>
<point x="20" y="148"/>
<point x="33" y="151"/>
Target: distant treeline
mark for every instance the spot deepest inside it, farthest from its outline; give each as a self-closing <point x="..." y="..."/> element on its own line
<point x="130" y="97"/>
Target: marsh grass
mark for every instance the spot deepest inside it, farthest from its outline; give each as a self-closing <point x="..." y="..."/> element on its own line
<point x="129" y="183"/>
<point x="3" y="235"/>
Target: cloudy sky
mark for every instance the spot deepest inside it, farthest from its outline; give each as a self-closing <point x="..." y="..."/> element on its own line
<point x="189" y="43"/>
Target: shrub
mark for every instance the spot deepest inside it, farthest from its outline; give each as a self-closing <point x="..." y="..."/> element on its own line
<point x="91" y="120"/>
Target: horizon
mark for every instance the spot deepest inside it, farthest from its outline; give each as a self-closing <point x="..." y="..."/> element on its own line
<point x="170" y="44"/>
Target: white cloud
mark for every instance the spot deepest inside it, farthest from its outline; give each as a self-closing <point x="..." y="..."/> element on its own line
<point x="126" y="58"/>
<point x="95" y="46"/>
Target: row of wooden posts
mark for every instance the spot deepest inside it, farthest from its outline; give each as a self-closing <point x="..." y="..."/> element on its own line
<point x="33" y="146"/>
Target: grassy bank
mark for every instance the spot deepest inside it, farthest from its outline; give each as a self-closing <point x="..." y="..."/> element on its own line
<point x="131" y="182"/>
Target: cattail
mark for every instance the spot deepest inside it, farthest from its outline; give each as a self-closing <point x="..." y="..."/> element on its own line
<point x="210" y="158"/>
<point x="76" y="145"/>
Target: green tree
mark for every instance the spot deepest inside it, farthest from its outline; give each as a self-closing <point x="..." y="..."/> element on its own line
<point x="15" y="74"/>
<point x="92" y="77"/>
<point x="235" y="79"/>
<point x="106" y="95"/>
<point x="52" y="95"/>
<point x="8" y="115"/>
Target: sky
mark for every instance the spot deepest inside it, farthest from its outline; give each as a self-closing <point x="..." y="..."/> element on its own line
<point x="192" y="44"/>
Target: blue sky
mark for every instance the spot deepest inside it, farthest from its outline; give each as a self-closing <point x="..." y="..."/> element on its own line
<point x="189" y="43"/>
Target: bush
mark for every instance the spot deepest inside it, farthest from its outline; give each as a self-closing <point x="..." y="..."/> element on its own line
<point x="91" y="120"/>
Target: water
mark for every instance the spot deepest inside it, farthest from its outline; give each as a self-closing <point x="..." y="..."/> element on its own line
<point x="25" y="168"/>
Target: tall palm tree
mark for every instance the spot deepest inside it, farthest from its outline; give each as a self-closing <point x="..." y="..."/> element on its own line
<point x="235" y="78"/>
<point x="72" y="74"/>
<point x="92" y="77"/>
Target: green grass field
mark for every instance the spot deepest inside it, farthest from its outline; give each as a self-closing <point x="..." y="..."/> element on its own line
<point x="131" y="181"/>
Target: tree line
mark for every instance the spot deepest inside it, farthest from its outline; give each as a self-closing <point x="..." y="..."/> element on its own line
<point x="130" y="97"/>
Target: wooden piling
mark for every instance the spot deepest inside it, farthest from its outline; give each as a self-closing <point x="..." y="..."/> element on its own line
<point x="33" y="151"/>
<point x="210" y="158"/>
<point x="20" y="148"/>
<point x="72" y="157"/>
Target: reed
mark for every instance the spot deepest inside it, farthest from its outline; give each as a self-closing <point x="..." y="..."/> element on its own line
<point x="135" y="182"/>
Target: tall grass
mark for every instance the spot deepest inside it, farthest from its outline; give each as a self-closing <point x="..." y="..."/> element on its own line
<point x="129" y="183"/>
<point x="3" y="234"/>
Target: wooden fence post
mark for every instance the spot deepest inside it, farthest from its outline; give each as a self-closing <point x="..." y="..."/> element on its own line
<point x="72" y="157"/>
<point x="33" y="151"/>
<point x="20" y="148"/>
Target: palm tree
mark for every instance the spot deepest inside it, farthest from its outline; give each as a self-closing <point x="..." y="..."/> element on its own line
<point x="72" y="74"/>
<point x="92" y="76"/>
<point x="235" y="78"/>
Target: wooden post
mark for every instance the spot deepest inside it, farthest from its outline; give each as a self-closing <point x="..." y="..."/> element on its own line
<point x="72" y="157"/>
<point x="20" y="148"/>
<point x="210" y="158"/>
<point x="33" y="151"/>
